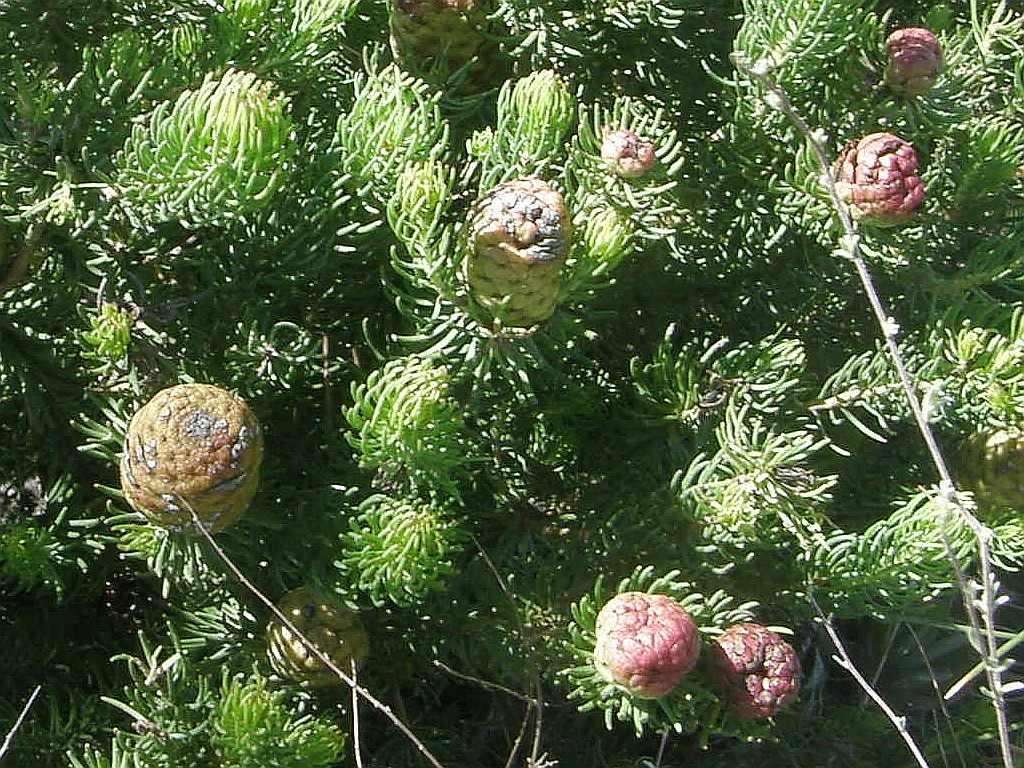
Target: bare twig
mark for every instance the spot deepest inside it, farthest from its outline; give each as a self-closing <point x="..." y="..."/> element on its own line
<point x="890" y="641"/>
<point x="18" y="268"/>
<point x="325" y="371"/>
<point x="978" y="668"/>
<point x="843" y="659"/>
<point x="661" y="749"/>
<point x="483" y="683"/>
<point x="355" y="717"/>
<point x="538" y="722"/>
<point x="17" y="723"/>
<point x="519" y="739"/>
<point x="323" y="657"/>
<point x="538" y="701"/>
<point x="984" y="640"/>
<point x="938" y="695"/>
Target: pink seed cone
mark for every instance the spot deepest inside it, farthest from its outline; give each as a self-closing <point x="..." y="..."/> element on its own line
<point x="645" y="643"/>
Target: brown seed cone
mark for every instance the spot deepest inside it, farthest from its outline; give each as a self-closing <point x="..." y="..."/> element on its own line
<point x="194" y="445"/>
<point x="757" y="671"/>
<point x="877" y="176"/>
<point x="520" y="240"/>
<point x="645" y="643"/>
<point x="332" y="627"/>
<point x="993" y="468"/>
<point x="915" y="60"/>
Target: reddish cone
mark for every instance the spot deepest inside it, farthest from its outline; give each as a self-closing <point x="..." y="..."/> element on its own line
<point x="645" y="643"/>
<point x="915" y="61"/>
<point x="758" y="671"/>
<point x="877" y="177"/>
<point x="627" y="154"/>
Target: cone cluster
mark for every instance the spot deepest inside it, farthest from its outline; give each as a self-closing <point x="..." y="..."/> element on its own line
<point x="648" y="644"/>
<point x="877" y="175"/>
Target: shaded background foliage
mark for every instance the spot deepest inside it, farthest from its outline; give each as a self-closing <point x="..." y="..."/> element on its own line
<point x="707" y="334"/>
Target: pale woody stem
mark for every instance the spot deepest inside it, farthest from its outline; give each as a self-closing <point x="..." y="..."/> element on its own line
<point x="776" y="98"/>
<point x="323" y="657"/>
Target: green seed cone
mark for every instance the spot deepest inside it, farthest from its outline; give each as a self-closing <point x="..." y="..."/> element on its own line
<point x="329" y="625"/>
<point x="435" y="38"/>
<point x="993" y="468"/>
<point x="520" y="241"/>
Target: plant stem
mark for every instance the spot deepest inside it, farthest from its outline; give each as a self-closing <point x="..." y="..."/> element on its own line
<point x="777" y="98"/>
<point x="17" y="723"/>
<point x="323" y="657"/>
<point x="844" y="660"/>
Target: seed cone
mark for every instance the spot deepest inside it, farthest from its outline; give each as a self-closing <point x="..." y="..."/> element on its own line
<point x="627" y="154"/>
<point x="329" y="625"/>
<point x="877" y="176"/>
<point x="915" y="61"/>
<point x="428" y="33"/>
<point x="757" y="671"/>
<point x="645" y="643"/>
<point x="192" y="446"/>
<point x="520" y="241"/>
<point x="993" y="468"/>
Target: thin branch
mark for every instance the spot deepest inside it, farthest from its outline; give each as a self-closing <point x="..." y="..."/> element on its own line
<point x="355" y="717"/>
<point x="17" y="723"/>
<point x="661" y="749"/>
<point x="776" y="97"/>
<point x="890" y="641"/>
<point x="538" y="722"/>
<point x="323" y="657"/>
<point x="539" y="695"/>
<point x="978" y="668"/>
<point x="519" y="739"/>
<point x="843" y="660"/>
<point x="19" y="265"/>
<point x="325" y="371"/>
<point x="483" y="683"/>
<point x="938" y="695"/>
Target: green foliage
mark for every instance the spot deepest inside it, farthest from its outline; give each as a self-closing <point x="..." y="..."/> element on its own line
<point x="406" y="424"/>
<point x="178" y="715"/>
<point x="897" y="565"/>
<point x="276" y="196"/>
<point x="218" y="152"/>
<point x="393" y="123"/>
<point x="251" y="727"/>
<point x="697" y="381"/>
<point x="26" y="556"/>
<point x="534" y="114"/>
<point x="758" y="488"/>
<point x="43" y="543"/>
<point x="110" y="334"/>
<point x="399" y="550"/>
